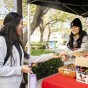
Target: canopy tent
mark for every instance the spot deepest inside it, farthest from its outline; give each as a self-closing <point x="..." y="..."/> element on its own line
<point x="79" y="7"/>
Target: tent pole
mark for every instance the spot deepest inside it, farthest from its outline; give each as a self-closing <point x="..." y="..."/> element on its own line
<point x="29" y="28"/>
<point x="29" y="32"/>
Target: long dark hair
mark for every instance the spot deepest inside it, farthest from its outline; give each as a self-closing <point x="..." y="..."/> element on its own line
<point x="76" y="22"/>
<point x="11" y="23"/>
<point x="79" y="40"/>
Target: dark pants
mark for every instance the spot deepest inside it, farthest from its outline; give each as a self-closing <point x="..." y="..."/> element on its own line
<point x="22" y="85"/>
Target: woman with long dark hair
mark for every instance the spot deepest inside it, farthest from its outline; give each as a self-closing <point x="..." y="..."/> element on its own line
<point x="11" y="52"/>
<point x="78" y="39"/>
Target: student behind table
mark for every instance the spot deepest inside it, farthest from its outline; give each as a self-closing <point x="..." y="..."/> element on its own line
<point x="78" y="39"/>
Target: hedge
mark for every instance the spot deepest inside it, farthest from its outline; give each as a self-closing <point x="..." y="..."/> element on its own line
<point x="47" y="68"/>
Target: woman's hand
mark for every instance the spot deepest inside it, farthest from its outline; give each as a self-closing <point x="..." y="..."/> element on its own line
<point x="63" y="53"/>
<point x="26" y="69"/>
<point x="64" y="58"/>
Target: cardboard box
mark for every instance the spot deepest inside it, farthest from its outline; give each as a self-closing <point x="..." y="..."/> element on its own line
<point x="82" y="69"/>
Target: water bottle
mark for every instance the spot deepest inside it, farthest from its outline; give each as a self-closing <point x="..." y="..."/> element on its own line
<point x="32" y="81"/>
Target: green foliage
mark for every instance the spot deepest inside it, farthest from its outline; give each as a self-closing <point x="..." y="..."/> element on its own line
<point x="37" y="43"/>
<point x="47" y="68"/>
<point x="9" y="4"/>
<point x="39" y="51"/>
<point x="33" y="9"/>
<point x="38" y="47"/>
<point x="25" y="8"/>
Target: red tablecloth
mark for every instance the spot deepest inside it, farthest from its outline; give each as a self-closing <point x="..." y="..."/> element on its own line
<point x="59" y="81"/>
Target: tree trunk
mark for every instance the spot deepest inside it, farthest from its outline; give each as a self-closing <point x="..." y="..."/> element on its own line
<point x="19" y="11"/>
<point x="41" y="32"/>
<point x="19" y="6"/>
<point x="25" y="38"/>
<point x="49" y="34"/>
<point x="40" y="11"/>
<point x="41" y="37"/>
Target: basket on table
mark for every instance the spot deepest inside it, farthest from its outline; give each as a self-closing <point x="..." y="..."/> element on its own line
<point x="68" y="71"/>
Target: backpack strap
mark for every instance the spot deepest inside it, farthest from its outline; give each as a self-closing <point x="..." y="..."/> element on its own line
<point x="7" y="55"/>
<point x="19" y="50"/>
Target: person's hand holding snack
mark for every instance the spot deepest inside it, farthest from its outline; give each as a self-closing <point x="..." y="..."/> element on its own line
<point x="64" y="56"/>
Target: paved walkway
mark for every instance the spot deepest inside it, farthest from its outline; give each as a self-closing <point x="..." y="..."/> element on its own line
<point x="39" y="83"/>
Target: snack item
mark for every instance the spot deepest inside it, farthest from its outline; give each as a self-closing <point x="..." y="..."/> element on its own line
<point x="68" y="71"/>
